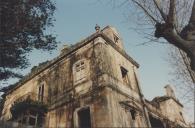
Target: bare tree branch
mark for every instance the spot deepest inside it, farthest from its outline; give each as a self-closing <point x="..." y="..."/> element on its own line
<point x="160" y="10"/>
<point x="172" y="15"/>
<point x="192" y="18"/>
<point x="145" y="11"/>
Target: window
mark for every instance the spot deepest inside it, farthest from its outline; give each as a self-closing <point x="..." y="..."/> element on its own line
<point x="79" y="71"/>
<point x="133" y="119"/>
<point x="84" y="118"/>
<point x="124" y="76"/>
<point x="32" y="121"/>
<point x="116" y="39"/>
<point x="182" y="119"/>
<point x="41" y="93"/>
<point x="180" y="113"/>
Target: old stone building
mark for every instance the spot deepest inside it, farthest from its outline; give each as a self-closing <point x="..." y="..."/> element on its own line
<point x="93" y="83"/>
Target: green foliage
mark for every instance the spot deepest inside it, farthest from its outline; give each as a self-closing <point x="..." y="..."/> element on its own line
<point x="2" y="101"/>
<point x="39" y="66"/>
<point x="22" y="26"/>
<point x="22" y="106"/>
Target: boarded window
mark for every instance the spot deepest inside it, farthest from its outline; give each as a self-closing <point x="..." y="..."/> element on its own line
<point x="84" y="118"/>
<point x="79" y="71"/>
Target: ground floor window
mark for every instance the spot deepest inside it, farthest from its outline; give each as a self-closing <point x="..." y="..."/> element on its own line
<point x="31" y="119"/>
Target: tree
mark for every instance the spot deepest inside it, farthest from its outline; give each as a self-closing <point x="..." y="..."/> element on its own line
<point x="181" y="74"/>
<point x="22" y="29"/>
<point x="182" y="78"/>
<point x="173" y="20"/>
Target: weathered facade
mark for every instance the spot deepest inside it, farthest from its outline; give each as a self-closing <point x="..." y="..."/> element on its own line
<point x="93" y="83"/>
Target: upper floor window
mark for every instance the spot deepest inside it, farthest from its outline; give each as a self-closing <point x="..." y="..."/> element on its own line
<point x="181" y="116"/>
<point x="116" y="39"/>
<point x="80" y="70"/>
<point x="124" y="76"/>
<point x="133" y="117"/>
<point x="41" y="92"/>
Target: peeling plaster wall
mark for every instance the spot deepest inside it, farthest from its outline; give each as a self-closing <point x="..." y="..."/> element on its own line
<point x="172" y="110"/>
<point x="111" y="32"/>
<point x="102" y="90"/>
<point x="116" y="61"/>
<point x="104" y="63"/>
<point x="30" y="87"/>
<point x="119" y="114"/>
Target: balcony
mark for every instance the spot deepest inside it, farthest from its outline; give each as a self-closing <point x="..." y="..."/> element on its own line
<point x="30" y="109"/>
<point x="33" y="97"/>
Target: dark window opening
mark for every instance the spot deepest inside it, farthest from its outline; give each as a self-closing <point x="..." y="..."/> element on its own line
<point x="133" y="112"/>
<point x="181" y="116"/>
<point x="30" y="118"/>
<point x="40" y="120"/>
<point x="84" y="118"/>
<point x="32" y="121"/>
<point x="41" y="93"/>
<point x="24" y="120"/>
<point x="124" y="75"/>
<point x="155" y="123"/>
<point x="116" y="39"/>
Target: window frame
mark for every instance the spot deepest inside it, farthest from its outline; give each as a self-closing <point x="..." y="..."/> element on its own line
<point x="76" y="116"/>
<point x="115" y="38"/>
<point x="41" y="90"/>
<point x="80" y="71"/>
<point x="125" y="77"/>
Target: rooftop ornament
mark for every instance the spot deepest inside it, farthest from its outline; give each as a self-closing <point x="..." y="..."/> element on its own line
<point x="97" y="28"/>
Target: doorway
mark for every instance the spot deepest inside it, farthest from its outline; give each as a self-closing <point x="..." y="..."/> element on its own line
<point x="84" y="118"/>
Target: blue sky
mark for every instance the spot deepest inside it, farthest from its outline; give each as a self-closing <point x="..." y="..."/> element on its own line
<point x="76" y="19"/>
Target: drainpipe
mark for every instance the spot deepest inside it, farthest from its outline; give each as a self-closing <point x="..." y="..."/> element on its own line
<point x="142" y="98"/>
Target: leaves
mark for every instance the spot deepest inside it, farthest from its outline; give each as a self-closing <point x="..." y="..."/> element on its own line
<point x="22" y="26"/>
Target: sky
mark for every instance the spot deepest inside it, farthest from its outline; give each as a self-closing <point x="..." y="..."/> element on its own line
<point x="76" y="19"/>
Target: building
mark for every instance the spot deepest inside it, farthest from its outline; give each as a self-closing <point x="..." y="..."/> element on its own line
<point x="93" y="83"/>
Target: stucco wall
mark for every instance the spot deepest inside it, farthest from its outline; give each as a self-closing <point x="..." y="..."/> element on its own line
<point x="102" y="90"/>
<point x="172" y="110"/>
<point x="28" y="88"/>
<point x="102" y="60"/>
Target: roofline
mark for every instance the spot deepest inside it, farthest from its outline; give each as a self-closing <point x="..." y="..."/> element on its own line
<point x="177" y="101"/>
<point x="120" y="50"/>
<point x="82" y="43"/>
<point x="167" y="98"/>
